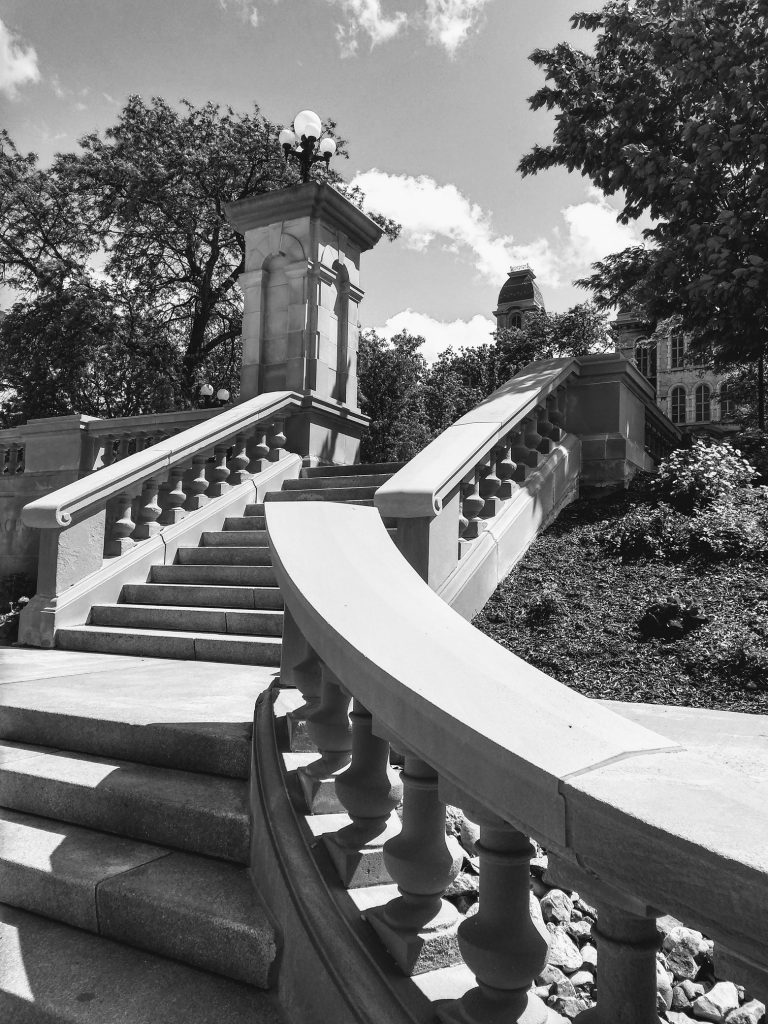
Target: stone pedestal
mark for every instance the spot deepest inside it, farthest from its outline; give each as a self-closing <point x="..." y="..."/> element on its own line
<point x="301" y="287"/>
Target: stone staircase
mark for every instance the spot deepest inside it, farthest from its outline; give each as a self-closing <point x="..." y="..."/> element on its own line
<point x="124" y="819"/>
<point x="220" y="601"/>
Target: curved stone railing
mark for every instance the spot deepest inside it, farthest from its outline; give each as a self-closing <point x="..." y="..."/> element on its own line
<point x="125" y="504"/>
<point x="642" y="825"/>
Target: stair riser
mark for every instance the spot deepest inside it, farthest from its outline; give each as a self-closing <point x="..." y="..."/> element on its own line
<point x="224" y="556"/>
<point x="368" y="469"/>
<point x="198" y="620"/>
<point x="326" y="494"/>
<point x="212" y="575"/>
<point x="232" y="538"/>
<point x="185" y="748"/>
<point x="260" y="598"/>
<point x="328" y="482"/>
<point x="183" y="648"/>
<point x="131" y="814"/>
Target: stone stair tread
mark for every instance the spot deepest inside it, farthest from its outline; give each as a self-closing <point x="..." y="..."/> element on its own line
<point x="232" y="554"/>
<point x="234" y="538"/>
<point x="172" y="643"/>
<point x="322" y="494"/>
<point x="248" y="521"/>
<point x="358" y="480"/>
<point x="201" y="595"/>
<point x="201" y="911"/>
<point x="155" y="713"/>
<point x="184" y="810"/>
<point x="51" y="973"/>
<point x="243" y="575"/>
<point x="189" y="618"/>
<point x="365" y="469"/>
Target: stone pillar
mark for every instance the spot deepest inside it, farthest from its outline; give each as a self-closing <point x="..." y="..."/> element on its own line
<point x="301" y="289"/>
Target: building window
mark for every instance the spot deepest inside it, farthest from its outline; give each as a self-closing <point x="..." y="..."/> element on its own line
<point x="515" y="320"/>
<point x="676" y="350"/>
<point x="645" y="359"/>
<point x="726" y="403"/>
<point x="703" y="401"/>
<point x="677" y="405"/>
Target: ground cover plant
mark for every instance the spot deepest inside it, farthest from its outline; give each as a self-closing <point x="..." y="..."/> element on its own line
<point x="658" y="594"/>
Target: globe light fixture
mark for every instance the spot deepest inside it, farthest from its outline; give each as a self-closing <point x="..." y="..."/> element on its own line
<point x="206" y="390"/>
<point x="223" y="395"/>
<point x="303" y="144"/>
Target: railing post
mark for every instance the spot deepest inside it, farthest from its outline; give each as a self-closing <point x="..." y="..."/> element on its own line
<point x="175" y="497"/>
<point x="502" y="944"/>
<point x="258" y="449"/>
<point x="419" y="926"/>
<point x="219" y="473"/>
<point x="472" y="507"/>
<point x="123" y="527"/>
<point x="197" y="484"/>
<point x="626" y="953"/>
<point x="276" y="440"/>
<point x="369" y="790"/>
<point x="238" y="464"/>
<point x="329" y="729"/>
<point x="149" y="510"/>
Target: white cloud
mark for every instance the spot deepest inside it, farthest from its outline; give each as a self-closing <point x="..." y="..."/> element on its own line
<point x="248" y="11"/>
<point x="429" y="211"/>
<point x="449" y="22"/>
<point x="440" y="215"/>
<point x="367" y="17"/>
<point x="439" y="335"/>
<point x="18" y="65"/>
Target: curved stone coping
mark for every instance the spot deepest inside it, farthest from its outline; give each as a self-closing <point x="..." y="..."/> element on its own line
<point x="418" y="489"/>
<point x="488" y="722"/>
<point x="60" y="507"/>
<point x="661" y="825"/>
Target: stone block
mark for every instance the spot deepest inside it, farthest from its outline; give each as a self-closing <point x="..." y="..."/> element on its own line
<point x="418" y="952"/>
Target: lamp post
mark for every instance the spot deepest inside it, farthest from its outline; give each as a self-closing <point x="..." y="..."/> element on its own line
<point x="301" y="143"/>
<point x="206" y="395"/>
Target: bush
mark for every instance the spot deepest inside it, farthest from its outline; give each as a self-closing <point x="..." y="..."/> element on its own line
<point x="544" y="606"/>
<point x="731" y="529"/>
<point x="731" y="654"/>
<point x="647" y="532"/>
<point x="696" y="477"/>
<point x="753" y="445"/>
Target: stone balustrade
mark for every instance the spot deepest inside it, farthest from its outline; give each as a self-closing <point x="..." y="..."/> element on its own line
<point x="135" y="495"/>
<point x="12" y="452"/>
<point x="522" y="755"/>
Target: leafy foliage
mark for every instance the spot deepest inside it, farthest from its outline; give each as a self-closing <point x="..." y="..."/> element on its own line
<point x="670" y="113"/>
<point x="695" y="477"/>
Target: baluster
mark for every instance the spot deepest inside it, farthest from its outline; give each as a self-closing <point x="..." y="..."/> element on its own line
<point x="276" y="440"/>
<point x="533" y="438"/>
<point x="419" y="927"/>
<point x="626" y="953"/>
<point x="124" y="448"/>
<point x="329" y="729"/>
<point x="4" y="454"/>
<point x="258" y="449"/>
<point x="490" y="483"/>
<point x="238" y="464"/>
<point x="13" y="454"/>
<point x="555" y="417"/>
<point x="502" y="945"/>
<point x="307" y="676"/>
<point x="505" y="468"/>
<point x="219" y="472"/>
<point x="121" y="539"/>
<point x="522" y="453"/>
<point x="547" y="430"/>
<point x="149" y="510"/>
<point x="197" y="484"/>
<point x="174" y="498"/>
<point x="21" y="456"/>
<point x="472" y="505"/>
<point x="108" y="453"/>
<point x="369" y="790"/>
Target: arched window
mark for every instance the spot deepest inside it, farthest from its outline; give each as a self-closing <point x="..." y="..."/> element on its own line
<point x="726" y="403"/>
<point x="677" y="405"/>
<point x="703" y="402"/>
<point x="515" y="319"/>
<point x="676" y="350"/>
<point x="645" y="359"/>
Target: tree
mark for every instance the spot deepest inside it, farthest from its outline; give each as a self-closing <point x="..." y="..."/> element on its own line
<point x="145" y="202"/>
<point x="391" y="382"/>
<point x="670" y="112"/>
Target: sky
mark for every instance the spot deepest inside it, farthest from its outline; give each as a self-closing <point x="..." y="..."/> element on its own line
<point x="431" y="94"/>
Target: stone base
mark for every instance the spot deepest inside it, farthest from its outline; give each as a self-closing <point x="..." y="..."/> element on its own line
<point x="298" y="735"/>
<point x="492" y="1006"/>
<point x="358" y="868"/>
<point x="417" y="952"/>
<point x="319" y="793"/>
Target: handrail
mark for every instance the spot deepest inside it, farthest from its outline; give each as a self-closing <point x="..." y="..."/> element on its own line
<point x="419" y="488"/>
<point x="57" y="509"/>
<point x="647" y="825"/>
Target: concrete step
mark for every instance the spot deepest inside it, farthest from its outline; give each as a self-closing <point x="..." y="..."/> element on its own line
<point x="201" y="596"/>
<point x="224" y="556"/>
<point x="133" y="709"/>
<point x="187" y="811"/>
<point x="324" y="482"/>
<point x="212" y="575"/>
<point x="198" y="910"/>
<point x="255" y="510"/>
<point x="51" y="973"/>
<point x="168" y="643"/>
<point x="366" y="469"/>
<point x="322" y="494"/>
<point x="249" y="521"/>
<point x="229" y="538"/>
<point x="198" y="620"/>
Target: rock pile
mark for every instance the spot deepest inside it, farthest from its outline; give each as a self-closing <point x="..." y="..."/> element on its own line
<point x="687" y="990"/>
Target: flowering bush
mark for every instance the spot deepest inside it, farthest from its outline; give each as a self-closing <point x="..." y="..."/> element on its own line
<point x="732" y="529"/>
<point x="698" y="476"/>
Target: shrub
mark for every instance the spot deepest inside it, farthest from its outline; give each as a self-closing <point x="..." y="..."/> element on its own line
<point x="698" y="476"/>
<point x="736" y="655"/>
<point x="544" y="606"/>
<point x="731" y="529"/>
<point x="753" y="445"/>
<point x="647" y="532"/>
